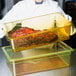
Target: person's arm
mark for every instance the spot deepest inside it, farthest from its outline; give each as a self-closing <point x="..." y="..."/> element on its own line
<point x="73" y="29"/>
<point x="12" y="15"/>
<point x="57" y="8"/>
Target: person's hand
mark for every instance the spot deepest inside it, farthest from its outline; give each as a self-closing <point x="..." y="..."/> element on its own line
<point x="73" y="28"/>
<point x="68" y="17"/>
<point x="2" y="34"/>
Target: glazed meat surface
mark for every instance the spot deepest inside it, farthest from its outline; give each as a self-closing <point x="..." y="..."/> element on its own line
<point x="23" y="32"/>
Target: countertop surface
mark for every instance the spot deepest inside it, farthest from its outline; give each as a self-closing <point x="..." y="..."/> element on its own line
<point x="69" y="71"/>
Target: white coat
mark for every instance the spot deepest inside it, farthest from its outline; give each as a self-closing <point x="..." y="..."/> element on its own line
<point x="28" y="8"/>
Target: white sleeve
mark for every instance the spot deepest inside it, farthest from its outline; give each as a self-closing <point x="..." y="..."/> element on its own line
<point x="12" y="15"/>
<point x="58" y="9"/>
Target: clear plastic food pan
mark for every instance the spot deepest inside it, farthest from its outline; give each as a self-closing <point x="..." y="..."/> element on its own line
<point x="38" y="59"/>
<point x="37" y="31"/>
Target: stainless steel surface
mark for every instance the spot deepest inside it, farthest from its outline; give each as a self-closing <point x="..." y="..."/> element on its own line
<point x="69" y="71"/>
